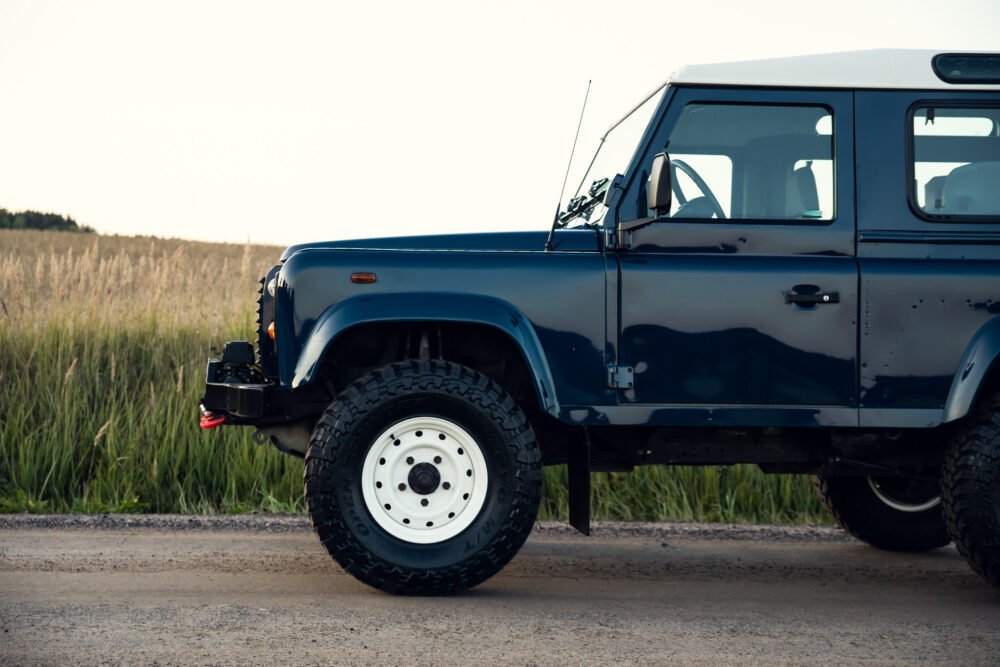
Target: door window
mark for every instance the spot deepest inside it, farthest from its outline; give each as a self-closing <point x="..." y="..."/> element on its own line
<point x="753" y="163"/>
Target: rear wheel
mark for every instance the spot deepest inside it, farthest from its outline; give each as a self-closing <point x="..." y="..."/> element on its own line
<point x="892" y="513"/>
<point x="423" y="478"/>
<point x="971" y="490"/>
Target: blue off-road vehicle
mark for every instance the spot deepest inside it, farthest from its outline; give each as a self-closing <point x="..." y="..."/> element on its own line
<point x="799" y="268"/>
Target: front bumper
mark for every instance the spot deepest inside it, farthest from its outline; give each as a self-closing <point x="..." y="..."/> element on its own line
<point x="237" y="392"/>
<point x="239" y="400"/>
<point x="235" y="389"/>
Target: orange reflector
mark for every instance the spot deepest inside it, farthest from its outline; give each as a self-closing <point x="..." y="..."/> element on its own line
<point x="270" y="330"/>
<point x="363" y="278"/>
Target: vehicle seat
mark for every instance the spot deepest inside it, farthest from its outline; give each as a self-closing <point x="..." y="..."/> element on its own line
<point x="933" y="191"/>
<point x="972" y="189"/>
<point x="801" y="195"/>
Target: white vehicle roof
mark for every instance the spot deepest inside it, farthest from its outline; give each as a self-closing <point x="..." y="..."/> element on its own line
<point x="876" y="68"/>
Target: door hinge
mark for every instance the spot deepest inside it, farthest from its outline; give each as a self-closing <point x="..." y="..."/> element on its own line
<point x="620" y="377"/>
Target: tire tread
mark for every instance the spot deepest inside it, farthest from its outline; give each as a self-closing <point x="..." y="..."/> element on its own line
<point x="970" y="477"/>
<point x="359" y="399"/>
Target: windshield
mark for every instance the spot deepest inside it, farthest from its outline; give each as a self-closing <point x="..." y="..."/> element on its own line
<point x="612" y="157"/>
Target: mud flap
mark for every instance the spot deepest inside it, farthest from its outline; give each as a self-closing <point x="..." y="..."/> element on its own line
<point x="578" y="463"/>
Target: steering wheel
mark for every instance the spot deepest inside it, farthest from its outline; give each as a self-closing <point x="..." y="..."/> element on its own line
<point x="698" y="181"/>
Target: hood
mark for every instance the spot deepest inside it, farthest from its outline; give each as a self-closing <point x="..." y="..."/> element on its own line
<point x="572" y="240"/>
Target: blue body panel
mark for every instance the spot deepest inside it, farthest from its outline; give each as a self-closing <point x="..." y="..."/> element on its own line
<point x="980" y="358"/>
<point x="558" y="319"/>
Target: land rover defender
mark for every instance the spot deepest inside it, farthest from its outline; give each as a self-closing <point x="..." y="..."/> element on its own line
<point x="799" y="268"/>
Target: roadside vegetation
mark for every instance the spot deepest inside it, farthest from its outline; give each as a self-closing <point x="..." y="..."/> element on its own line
<point x="44" y="221"/>
<point x="103" y="342"/>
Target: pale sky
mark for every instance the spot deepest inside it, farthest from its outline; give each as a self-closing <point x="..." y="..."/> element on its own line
<point x="284" y="122"/>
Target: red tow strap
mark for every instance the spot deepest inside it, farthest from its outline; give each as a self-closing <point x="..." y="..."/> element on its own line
<point x="209" y="420"/>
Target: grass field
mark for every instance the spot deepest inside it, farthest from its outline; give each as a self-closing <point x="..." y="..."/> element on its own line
<point x="103" y="342"/>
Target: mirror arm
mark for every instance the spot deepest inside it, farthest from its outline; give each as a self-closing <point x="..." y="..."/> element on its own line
<point x="625" y="229"/>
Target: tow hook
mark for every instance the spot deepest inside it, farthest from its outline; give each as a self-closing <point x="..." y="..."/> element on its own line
<point x="210" y="420"/>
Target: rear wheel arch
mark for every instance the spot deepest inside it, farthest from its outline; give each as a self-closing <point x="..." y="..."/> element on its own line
<point x="978" y="374"/>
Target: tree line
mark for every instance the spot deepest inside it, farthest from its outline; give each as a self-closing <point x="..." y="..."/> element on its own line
<point x="37" y="220"/>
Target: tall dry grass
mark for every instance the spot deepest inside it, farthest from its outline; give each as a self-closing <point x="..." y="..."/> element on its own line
<point x="103" y="343"/>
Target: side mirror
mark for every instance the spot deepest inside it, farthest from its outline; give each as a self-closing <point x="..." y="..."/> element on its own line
<point x="659" y="193"/>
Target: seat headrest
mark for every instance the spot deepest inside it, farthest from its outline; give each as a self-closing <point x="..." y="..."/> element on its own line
<point x="933" y="192"/>
<point x="802" y="195"/>
<point x="972" y="189"/>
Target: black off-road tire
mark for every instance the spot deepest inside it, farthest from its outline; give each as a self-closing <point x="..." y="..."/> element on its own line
<point x="860" y="512"/>
<point x="971" y="490"/>
<point x="378" y="401"/>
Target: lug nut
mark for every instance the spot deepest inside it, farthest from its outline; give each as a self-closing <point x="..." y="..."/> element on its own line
<point x="446" y="486"/>
<point x="409" y="460"/>
<point x="424" y="502"/>
<point x="402" y="487"/>
<point x="437" y="459"/>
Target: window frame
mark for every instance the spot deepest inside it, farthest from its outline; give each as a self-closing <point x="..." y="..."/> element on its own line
<point x="980" y="80"/>
<point x="910" y="158"/>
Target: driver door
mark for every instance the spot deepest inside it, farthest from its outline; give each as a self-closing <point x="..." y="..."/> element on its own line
<point x="746" y="294"/>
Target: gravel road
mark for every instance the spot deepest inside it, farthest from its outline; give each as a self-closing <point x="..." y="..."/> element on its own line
<point x="246" y="590"/>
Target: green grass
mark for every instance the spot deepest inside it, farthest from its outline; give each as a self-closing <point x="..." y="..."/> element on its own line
<point x="99" y="419"/>
<point x="731" y="494"/>
<point x="107" y="421"/>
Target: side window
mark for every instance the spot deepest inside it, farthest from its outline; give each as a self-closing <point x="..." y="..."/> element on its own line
<point x="753" y="162"/>
<point x="955" y="162"/>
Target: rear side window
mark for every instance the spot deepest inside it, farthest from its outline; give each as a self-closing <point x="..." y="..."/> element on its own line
<point x="955" y="162"/>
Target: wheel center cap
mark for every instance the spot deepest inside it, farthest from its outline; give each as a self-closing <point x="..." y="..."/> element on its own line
<point x="424" y="478"/>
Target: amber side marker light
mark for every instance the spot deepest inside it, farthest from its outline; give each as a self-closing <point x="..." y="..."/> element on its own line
<point x="270" y="330"/>
<point x="363" y="278"/>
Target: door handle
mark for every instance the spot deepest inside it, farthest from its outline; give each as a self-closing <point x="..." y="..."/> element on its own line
<point x="809" y="295"/>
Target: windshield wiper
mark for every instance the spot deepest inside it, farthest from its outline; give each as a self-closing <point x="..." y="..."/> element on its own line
<point x="582" y="205"/>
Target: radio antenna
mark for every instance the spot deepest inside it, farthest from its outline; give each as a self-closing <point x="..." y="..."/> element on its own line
<point x="555" y="220"/>
<point x="621" y="120"/>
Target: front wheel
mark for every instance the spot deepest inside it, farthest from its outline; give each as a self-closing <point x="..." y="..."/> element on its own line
<point x="891" y="513"/>
<point x="423" y="478"/>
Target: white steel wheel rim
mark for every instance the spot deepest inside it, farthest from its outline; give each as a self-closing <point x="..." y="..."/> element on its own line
<point x="900" y="505"/>
<point x="398" y="486"/>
